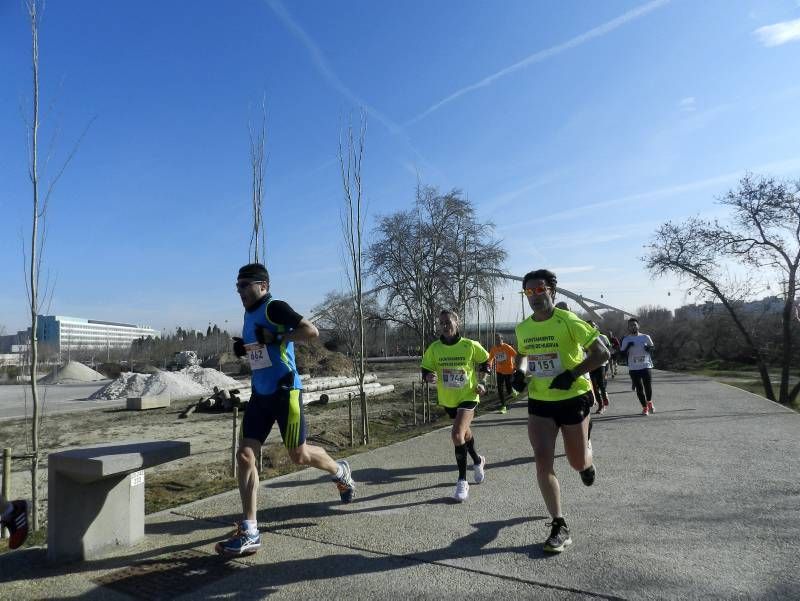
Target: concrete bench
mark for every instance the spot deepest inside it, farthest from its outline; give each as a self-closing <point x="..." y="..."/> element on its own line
<point x="153" y="401"/>
<point x="96" y="496"/>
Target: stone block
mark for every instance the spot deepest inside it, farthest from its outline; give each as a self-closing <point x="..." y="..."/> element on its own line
<point x="96" y="497"/>
<point x="153" y="401"/>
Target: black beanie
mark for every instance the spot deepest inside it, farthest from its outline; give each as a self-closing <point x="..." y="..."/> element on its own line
<point x="255" y="272"/>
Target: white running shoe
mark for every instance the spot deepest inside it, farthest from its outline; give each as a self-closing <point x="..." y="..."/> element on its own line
<point x="462" y="491"/>
<point x="479" y="470"/>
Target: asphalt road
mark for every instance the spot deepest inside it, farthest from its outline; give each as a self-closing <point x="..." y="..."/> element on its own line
<point x="16" y="401"/>
<point x="699" y="501"/>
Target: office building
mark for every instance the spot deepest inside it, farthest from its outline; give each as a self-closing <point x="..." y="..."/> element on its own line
<point x="58" y="333"/>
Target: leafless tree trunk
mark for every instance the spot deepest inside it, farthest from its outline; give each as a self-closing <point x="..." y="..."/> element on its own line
<point x="35" y="261"/>
<point x="350" y="159"/>
<point x="258" y="138"/>
<point x="33" y="267"/>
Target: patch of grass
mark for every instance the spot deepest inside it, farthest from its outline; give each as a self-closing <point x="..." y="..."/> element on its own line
<point x="35" y="539"/>
<point x="737" y="379"/>
<point x="176" y="487"/>
<point x="164" y="490"/>
<point x="753" y="386"/>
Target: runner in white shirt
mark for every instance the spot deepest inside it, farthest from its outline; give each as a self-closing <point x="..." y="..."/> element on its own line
<point x="639" y="348"/>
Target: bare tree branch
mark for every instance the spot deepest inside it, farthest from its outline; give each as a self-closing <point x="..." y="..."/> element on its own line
<point x="258" y="138"/>
<point x="763" y="210"/>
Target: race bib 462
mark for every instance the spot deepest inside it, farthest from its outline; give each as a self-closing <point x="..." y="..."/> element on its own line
<point x="257" y="355"/>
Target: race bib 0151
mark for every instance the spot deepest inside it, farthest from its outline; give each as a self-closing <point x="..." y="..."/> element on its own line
<point x="546" y="365"/>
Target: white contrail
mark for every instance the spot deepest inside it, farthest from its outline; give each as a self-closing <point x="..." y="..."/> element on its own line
<point x="543" y="55"/>
<point x="777" y="168"/>
<point x="323" y="67"/>
<point x="320" y="62"/>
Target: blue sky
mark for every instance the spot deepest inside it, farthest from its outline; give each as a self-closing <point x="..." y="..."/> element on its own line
<point x="577" y="127"/>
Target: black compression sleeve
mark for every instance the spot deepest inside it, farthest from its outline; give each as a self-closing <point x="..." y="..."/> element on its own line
<point x="281" y="313"/>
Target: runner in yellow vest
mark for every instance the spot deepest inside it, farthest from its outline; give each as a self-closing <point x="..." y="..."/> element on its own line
<point x="459" y="367"/>
<point x="559" y="396"/>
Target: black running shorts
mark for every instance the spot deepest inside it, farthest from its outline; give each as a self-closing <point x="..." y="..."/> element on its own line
<point x="466" y="405"/>
<point x="565" y="413"/>
<point x="284" y="406"/>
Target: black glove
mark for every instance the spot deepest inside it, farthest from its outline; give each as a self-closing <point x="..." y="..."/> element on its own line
<point x="260" y="330"/>
<point x="649" y="348"/>
<point x="518" y="380"/>
<point x="563" y="381"/>
<point x="238" y="347"/>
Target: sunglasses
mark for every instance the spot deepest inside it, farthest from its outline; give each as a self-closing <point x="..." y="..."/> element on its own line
<point x="534" y="291"/>
<point x="243" y="285"/>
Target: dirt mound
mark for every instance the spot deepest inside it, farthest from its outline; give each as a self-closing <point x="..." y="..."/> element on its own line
<point x="189" y="382"/>
<point x="313" y="358"/>
<point x="71" y="373"/>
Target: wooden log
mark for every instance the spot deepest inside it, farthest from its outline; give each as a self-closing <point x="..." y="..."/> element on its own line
<point x="341" y="396"/>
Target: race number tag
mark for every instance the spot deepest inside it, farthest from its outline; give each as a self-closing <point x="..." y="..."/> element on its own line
<point x="257" y="355"/>
<point x="637" y="362"/>
<point x="137" y="478"/>
<point x="454" y="378"/>
<point x="546" y="365"/>
<point x="500" y="357"/>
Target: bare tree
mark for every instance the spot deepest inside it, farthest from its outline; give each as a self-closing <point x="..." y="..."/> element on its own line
<point x="335" y="315"/>
<point x="435" y="256"/>
<point x="351" y="155"/>
<point x="258" y="139"/>
<point x="764" y="235"/>
<point x="33" y="259"/>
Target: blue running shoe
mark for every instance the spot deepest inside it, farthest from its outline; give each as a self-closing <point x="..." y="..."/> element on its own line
<point x="17" y="524"/>
<point x="241" y="543"/>
<point x="345" y="484"/>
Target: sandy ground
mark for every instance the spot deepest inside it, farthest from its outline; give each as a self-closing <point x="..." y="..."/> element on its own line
<point x="210" y="434"/>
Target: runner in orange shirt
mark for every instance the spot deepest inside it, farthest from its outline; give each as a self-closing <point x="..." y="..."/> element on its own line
<point x="501" y="359"/>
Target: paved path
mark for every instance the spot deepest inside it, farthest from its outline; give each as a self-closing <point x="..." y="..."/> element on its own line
<point x="699" y="501"/>
<point x="15" y="399"/>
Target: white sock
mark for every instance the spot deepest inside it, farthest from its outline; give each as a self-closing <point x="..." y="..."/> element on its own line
<point x="250" y="526"/>
<point x="339" y="470"/>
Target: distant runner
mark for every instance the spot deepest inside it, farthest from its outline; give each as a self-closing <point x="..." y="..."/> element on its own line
<point x="14" y="516"/>
<point x="639" y="347"/>
<point x="501" y="358"/>
<point x="459" y="367"/>
<point x="559" y="397"/>
<point x="599" y="376"/>
<point x="270" y="329"/>
<point x="613" y="363"/>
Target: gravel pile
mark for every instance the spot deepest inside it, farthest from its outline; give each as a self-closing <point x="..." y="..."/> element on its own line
<point x="73" y="372"/>
<point x="192" y="381"/>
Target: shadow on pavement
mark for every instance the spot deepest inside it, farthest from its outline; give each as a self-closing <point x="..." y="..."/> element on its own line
<point x="353" y="562"/>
